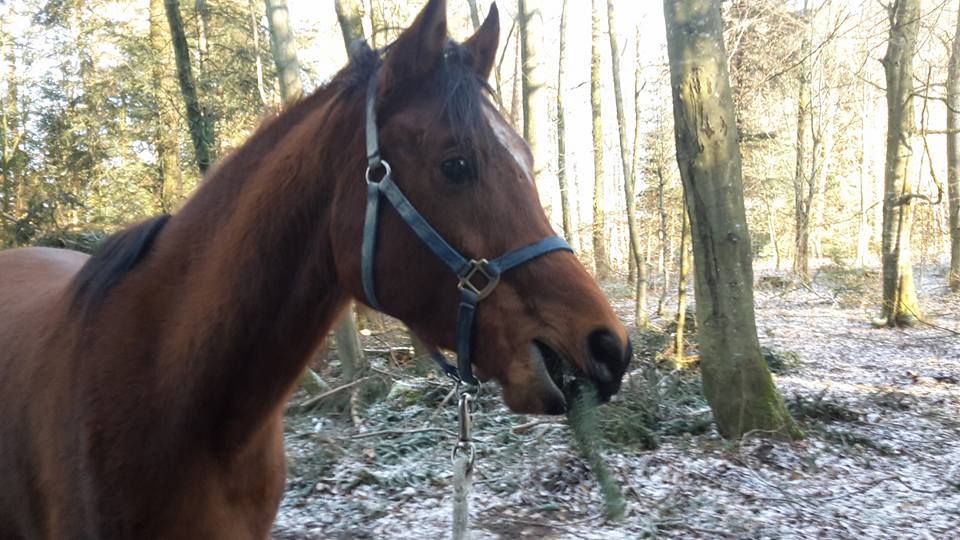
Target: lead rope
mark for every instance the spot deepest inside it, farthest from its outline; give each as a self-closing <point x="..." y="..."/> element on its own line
<point x="463" y="456"/>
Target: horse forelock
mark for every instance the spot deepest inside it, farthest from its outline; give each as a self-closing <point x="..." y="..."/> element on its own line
<point x="462" y="94"/>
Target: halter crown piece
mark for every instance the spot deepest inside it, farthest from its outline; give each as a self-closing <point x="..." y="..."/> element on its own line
<point x="478" y="277"/>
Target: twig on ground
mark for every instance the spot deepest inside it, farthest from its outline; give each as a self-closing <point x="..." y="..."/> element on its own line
<point x="523" y="428"/>
<point x="397" y="432"/>
<point x="670" y="524"/>
<point x="308" y="404"/>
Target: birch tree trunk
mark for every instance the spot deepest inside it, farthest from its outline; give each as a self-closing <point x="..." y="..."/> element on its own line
<point x="736" y="380"/>
<point x="284" y="50"/>
<point x="900" y="304"/>
<point x="201" y="129"/>
<point x="566" y="216"/>
<point x="953" y="157"/>
<point x="165" y="130"/>
<point x="600" y="256"/>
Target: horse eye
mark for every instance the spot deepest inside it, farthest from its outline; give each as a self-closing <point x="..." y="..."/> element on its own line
<point x="457" y="170"/>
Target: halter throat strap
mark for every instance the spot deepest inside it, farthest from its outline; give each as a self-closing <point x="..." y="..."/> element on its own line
<point x="477" y="277"/>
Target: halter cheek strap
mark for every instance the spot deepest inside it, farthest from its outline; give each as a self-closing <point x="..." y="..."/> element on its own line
<point x="477" y="277"/>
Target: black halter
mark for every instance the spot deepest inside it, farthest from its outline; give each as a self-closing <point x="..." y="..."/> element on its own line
<point x="468" y="271"/>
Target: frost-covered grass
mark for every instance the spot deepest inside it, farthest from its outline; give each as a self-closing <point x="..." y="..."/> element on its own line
<point x="881" y="410"/>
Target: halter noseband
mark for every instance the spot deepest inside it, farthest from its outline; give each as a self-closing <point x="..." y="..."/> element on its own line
<point x="468" y="271"/>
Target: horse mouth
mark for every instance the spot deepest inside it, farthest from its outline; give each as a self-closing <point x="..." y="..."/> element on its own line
<point x="559" y="373"/>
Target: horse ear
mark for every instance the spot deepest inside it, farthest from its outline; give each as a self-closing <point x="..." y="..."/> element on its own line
<point x="483" y="44"/>
<point x="418" y="49"/>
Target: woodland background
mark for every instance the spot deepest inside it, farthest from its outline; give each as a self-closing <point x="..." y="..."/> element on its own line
<point x="111" y="111"/>
<point x="95" y="131"/>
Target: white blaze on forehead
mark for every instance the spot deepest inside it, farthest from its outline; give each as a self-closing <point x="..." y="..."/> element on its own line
<point x="511" y="142"/>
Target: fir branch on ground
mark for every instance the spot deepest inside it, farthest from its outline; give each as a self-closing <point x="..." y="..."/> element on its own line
<point x="584" y="424"/>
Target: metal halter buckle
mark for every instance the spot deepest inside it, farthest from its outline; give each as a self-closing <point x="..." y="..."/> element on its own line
<point x="481" y="267"/>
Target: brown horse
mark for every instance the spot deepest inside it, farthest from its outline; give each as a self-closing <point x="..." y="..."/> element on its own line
<point x="142" y="389"/>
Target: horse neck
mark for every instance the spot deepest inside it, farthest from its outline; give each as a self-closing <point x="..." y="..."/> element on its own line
<point x="253" y="257"/>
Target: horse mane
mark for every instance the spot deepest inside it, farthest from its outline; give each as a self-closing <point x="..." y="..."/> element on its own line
<point x="116" y="257"/>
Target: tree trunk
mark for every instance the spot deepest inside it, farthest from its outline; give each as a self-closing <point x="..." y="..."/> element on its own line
<point x="567" y="218"/>
<point x="474" y="14"/>
<point x="802" y="184"/>
<point x="643" y="285"/>
<point x="255" y="17"/>
<point x="866" y="182"/>
<point x="600" y="256"/>
<point x="664" y="240"/>
<point x="900" y="304"/>
<point x="350" y="17"/>
<point x="953" y="157"/>
<point x="625" y="161"/>
<point x="736" y="380"/>
<point x="11" y="136"/>
<point x="352" y="362"/>
<point x="201" y="130"/>
<point x="284" y="50"/>
<point x="679" y="349"/>
<point x="165" y="130"/>
<point x="536" y="123"/>
<point x="516" y="114"/>
<point x="821" y="154"/>
<point x="203" y="42"/>
<point x="772" y="229"/>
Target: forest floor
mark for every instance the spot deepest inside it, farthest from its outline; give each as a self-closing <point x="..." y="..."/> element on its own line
<point x="881" y="456"/>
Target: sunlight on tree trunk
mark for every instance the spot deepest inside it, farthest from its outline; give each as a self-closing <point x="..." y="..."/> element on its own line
<point x="536" y="122"/>
<point x="350" y="17"/>
<point x="165" y="130"/>
<point x="600" y="256"/>
<point x="953" y="157"/>
<point x="736" y="380"/>
<point x="565" y="211"/>
<point x="349" y="351"/>
<point x="284" y="50"/>
<point x="11" y="135"/>
<point x="803" y="185"/>
<point x="255" y="16"/>
<point x="900" y="304"/>
<point x="628" y="181"/>
<point x="865" y="184"/>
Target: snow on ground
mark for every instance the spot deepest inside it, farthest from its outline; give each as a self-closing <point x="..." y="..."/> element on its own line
<point x="890" y="469"/>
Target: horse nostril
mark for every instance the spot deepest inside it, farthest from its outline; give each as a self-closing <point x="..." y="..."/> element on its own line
<point x="609" y="357"/>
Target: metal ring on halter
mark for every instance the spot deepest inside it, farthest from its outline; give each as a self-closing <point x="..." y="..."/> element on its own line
<point x="386" y="171"/>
